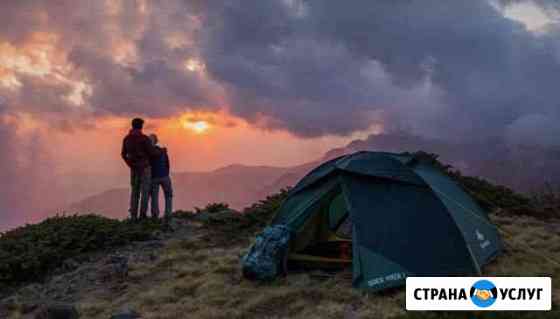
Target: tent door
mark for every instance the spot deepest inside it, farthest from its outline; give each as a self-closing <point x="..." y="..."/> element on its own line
<point x="325" y="240"/>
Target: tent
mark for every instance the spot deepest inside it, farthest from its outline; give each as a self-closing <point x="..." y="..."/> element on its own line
<point x="389" y="216"/>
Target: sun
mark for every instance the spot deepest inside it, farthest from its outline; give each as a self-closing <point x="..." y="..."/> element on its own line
<point x="199" y="127"/>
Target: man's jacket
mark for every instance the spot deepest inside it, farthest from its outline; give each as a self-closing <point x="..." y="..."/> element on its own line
<point x="160" y="164"/>
<point x="138" y="150"/>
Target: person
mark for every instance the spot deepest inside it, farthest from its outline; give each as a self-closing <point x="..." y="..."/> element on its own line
<point x="160" y="178"/>
<point x="137" y="151"/>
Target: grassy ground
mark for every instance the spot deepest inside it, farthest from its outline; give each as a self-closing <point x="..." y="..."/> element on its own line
<point x="199" y="277"/>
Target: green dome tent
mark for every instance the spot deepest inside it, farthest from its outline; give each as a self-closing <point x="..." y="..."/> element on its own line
<point x="403" y="216"/>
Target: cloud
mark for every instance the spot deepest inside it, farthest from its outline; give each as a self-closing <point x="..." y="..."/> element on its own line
<point x="311" y="67"/>
<point x="28" y="187"/>
<point x="436" y="63"/>
<point x="525" y="130"/>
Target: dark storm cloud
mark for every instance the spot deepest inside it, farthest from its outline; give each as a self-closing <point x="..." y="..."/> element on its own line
<point x="312" y="67"/>
<point x="480" y="71"/>
<point x="157" y="89"/>
<point x="155" y="83"/>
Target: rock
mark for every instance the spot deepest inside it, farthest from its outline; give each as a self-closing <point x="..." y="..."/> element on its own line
<point x="28" y="307"/>
<point x="32" y="292"/>
<point x="11" y="302"/>
<point x="57" y="311"/>
<point x="350" y="313"/>
<point x="115" y="267"/>
<point x="175" y="224"/>
<point x="126" y="314"/>
<point x="4" y="310"/>
<point x="153" y="244"/>
<point x="157" y="234"/>
<point x="70" y="264"/>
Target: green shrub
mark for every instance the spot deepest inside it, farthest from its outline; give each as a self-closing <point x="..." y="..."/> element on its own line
<point x="251" y="219"/>
<point x="30" y="252"/>
<point x="548" y="196"/>
<point x="212" y="208"/>
<point x="184" y="214"/>
<point x="260" y="214"/>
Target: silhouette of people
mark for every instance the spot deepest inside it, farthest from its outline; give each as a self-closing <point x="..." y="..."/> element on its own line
<point x="137" y="152"/>
<point x="160" y="178"/>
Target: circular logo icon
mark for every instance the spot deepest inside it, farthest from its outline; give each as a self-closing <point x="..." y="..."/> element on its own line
<point x="483" y="293"/>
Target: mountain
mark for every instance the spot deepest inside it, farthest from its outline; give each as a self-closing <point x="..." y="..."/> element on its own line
<point x="109" y="203"/>
<point x="524" y="168"/>
<point x="237" y="185"/>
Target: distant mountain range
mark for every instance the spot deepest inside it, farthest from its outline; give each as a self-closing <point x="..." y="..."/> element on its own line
<point x="523" y="168"/>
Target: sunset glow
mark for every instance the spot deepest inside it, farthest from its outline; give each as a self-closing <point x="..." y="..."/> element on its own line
<point x="199" y="127"/>
<point x="193" y="65"/>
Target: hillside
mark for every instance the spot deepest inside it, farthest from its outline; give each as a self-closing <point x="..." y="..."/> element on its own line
<point x="195" y="270"/>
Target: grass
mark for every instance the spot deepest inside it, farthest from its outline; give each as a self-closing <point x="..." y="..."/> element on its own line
<point x="201" y="279"/>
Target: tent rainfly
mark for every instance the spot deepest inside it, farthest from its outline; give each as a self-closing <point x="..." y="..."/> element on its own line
<point x="403" y="217"/>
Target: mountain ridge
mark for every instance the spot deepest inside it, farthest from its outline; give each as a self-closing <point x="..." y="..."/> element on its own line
<point x="240" y="184"/>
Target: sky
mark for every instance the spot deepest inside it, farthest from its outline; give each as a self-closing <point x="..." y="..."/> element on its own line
<point x="275" y="82"/>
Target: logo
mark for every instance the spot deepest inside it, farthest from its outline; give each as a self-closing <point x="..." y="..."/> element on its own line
<point x="379" y="281"/>
<point x="482" y="239"/>
<point x="479" y="235"/>
<point x="483" y="293"/>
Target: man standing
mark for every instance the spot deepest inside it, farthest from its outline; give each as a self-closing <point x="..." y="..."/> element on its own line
<point x="137" y="151"/>
<point x="160" y="178"/>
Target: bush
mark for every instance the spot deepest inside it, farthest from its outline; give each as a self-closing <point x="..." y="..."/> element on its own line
<point x="253" y="218"/>
<point x="549" y="196"/>
<point x="30" y="252"/>
<point x="212" y="208"/>
<point x="260" y="214"/>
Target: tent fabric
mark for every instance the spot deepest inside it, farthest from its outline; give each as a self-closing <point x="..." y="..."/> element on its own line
<point x="337" y="211"/>
<point x="476" y="228"/>
<point x="408" y="218"/>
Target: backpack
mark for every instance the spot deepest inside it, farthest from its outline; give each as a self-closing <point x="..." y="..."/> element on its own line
<point x="265" y="259"/>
